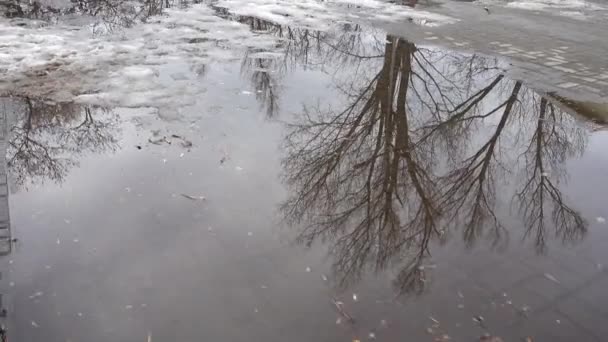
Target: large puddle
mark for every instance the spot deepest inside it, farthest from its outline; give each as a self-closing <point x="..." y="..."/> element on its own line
<point x="335" y="185"/>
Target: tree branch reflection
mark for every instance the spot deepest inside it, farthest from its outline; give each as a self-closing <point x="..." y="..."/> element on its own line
<point x="46" y="137"/>
<point x="417" y="151"/>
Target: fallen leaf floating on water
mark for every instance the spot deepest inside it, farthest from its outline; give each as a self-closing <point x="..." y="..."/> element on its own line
<point x="193" y="197"/>
<point x="552" y="278"/>
<point x="600" y="219"/>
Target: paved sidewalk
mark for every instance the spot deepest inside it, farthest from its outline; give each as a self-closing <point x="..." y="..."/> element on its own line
<point x="550" y="52"/>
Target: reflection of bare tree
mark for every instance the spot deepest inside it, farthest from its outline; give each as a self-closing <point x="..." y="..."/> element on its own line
<point x="551" y="144"/>
<point x="409" y="157"/>
<point x="361" y="178"/>
<point x="113" y="14"/>
<point x="46" y="137"/>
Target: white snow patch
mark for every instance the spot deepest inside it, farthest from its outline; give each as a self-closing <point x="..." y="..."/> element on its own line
<point x="323" y="15"/>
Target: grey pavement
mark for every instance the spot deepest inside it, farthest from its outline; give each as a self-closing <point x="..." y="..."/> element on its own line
<point x="551" y="52"/>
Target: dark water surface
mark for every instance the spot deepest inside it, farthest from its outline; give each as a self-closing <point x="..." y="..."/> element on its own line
<point x="355" y="186"/>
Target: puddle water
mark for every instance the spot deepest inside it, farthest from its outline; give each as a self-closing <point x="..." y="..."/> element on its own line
<point x="336" y="185"/>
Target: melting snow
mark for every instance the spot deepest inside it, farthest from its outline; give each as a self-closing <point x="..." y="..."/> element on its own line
<point x="136" y="67"/>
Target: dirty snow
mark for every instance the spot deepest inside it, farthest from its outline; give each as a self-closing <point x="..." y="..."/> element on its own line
<point x="136" y="66"/>
<point x="321" y="15"/>
<point x="576" y="9"/>
<point x="123" y="69"/>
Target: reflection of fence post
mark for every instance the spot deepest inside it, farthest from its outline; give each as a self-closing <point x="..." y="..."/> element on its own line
<point x="5" y="231"/>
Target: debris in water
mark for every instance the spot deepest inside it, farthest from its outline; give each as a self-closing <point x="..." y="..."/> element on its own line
<point x="264" y="286"/>
<point x="127" y="189"/>
<point x="509" y="302"/>
<point x="76" y="240"/>
<point x="245" y="92"/>
<point x="478" y="320"/>
<point x="443" y="338"/>
<point x="143" y="305"/>
<point x="11" y="284"/>
<point x="255" y="310"/>
<point x="461" y="306"/>
<point x="460" y="294"/>
<point x="339" y="306"/>
<point x="430" y="331"/>
<point x="159" y="141"/>
<point x="181" y="155"/>
<point x="67" y="221"/>
<point x="558" y="321"/>
<point x="339" y="320"/>
<point x="193" y="197"/>
<point x="545" y="174"/>
<point x="129" y="307"/>
<point x="58" y="241"/>
<point x="324" y="277"/>
<point x="138" y="147"/>
<point x="48" y="267"/>
<point x="355" y="297"/>
<point x="250" y="234"/>
<point x="35" y="325"/>
<point x="434" y="320"/>
<point x="80" y="314"/>
<point x="164" y="161"/>
<point x="600" y="219"/>
<point x="423" y="267"/>
<point x="552" y="278"/>
<point x="308" y="269"/>
<point x="383" y="322"/>
<point x="36" y="295"/>
<point x="10" y="262"/>
<point x="504" y="294"/>
<point x="372" y="336"/>
<point x="238" y="168"/>
<point x="490" y="338"/>
<point x="524" y="310"/>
